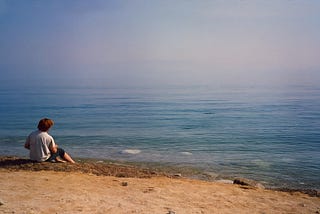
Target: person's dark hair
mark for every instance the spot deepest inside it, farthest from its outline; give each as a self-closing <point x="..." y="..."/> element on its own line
<point x="45" y="124"/>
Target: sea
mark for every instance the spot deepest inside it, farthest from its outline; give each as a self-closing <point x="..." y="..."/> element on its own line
<point x="268" y="134"/>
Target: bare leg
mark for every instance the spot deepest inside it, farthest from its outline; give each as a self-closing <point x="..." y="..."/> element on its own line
<point x="68" y="158"/>
<point x="58" y="159"/>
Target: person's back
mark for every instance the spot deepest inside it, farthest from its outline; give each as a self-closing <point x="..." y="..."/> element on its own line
<point x="42" y="146"/>
<point x="40" y="143"/>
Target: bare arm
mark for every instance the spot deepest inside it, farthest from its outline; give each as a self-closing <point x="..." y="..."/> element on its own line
<point x="27" y="144"/>
<point x="53" y="147"/>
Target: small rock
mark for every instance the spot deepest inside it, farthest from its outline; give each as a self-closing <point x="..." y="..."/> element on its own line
<point x="178" y="175"/>
<point x="149" y="189"/>
<point x="171" y="212"/>
<point x="1" y="203"/>
<point x="247" y="182"/>
<point x="124" y="184"/>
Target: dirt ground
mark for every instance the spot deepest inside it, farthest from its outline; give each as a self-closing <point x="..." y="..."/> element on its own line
<point x="27" y="187"/>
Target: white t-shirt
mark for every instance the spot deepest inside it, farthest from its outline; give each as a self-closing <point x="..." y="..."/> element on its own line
<point x="40" y="143"/>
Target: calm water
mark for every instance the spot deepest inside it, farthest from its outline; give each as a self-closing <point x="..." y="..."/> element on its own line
<point x="268" y="134"/>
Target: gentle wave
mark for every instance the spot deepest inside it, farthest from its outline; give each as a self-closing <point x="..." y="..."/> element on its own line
<point x="131" y="151"/>
<point x="186" y="153"/>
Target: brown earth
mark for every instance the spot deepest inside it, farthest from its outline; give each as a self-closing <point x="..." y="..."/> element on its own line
<point x="91" y="187"/>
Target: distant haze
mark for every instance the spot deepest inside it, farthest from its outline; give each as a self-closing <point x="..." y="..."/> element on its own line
<point x="163" y="42"/>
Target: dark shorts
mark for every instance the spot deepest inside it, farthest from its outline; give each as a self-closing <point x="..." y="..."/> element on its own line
<point x="53" y="156"/>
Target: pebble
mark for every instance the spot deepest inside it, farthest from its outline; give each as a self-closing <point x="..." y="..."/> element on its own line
<point x="247" y="182"/>
<point x="303" y="205"/>
<point x="124" y="184"/>
<point x="1" y="203"/>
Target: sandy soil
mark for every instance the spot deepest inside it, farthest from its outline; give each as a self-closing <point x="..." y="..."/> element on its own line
<point x="47" y="191"/>
<point x="62" y="192"/>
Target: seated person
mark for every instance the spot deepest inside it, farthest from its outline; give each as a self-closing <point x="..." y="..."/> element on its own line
<point x="42" y="146"/>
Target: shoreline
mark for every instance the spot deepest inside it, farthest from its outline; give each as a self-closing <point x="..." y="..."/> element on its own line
<point x="136" y="170"/>
<point x="286" y="174"/>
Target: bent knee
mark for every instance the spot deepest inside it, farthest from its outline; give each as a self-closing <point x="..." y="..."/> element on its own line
<point x="61" y="152"/>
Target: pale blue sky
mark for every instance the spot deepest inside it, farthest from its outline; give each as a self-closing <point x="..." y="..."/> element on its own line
<point x="160" y="42"/>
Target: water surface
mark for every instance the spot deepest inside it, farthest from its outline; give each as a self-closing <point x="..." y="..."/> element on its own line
<point x="268" y="134"/>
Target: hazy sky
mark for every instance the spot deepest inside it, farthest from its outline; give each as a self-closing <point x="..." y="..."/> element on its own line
<point x="150" y="42"/>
